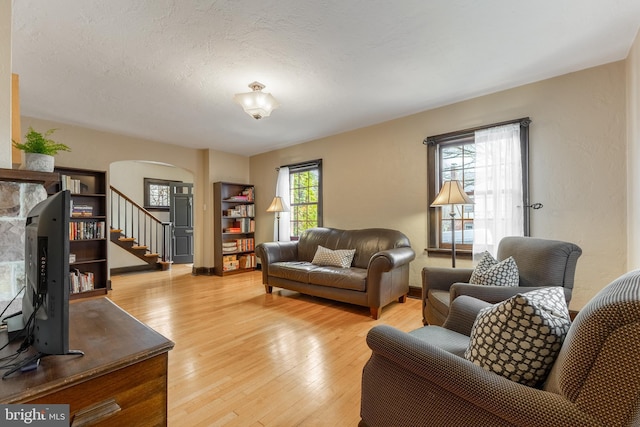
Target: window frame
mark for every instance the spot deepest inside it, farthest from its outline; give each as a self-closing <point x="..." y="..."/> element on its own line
<point x="300" y="168"/>
<point x="434" y="179"/>
<point x="147" y="193"/>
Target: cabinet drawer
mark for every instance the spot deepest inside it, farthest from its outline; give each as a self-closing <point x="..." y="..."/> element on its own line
<point x="139" y="391"/>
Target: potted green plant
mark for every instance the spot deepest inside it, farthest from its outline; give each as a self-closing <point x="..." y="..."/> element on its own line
<point x="39" y="150"/>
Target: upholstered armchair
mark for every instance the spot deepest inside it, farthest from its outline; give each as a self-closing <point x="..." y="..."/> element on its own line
<point x="421" y="378"/>
<point x="541" y="262"/>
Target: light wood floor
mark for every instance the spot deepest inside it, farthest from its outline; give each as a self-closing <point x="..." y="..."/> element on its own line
<point x="245" y="358"/>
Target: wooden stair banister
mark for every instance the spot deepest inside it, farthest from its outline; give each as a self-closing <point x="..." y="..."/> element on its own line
<point x="137" y="231"/>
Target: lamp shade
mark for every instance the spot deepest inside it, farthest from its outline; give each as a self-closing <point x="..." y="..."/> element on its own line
<point x="278" y="205"/>
<point x="452" y="193"/>
<point x="257" y="104"/>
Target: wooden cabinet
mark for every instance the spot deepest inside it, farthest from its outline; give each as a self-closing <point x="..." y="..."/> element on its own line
<point x="120" y="381"/>
<point x="234" y="228"/>
<point x="88" y="230"/>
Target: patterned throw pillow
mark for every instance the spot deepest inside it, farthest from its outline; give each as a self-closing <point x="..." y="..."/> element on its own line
<point x="520" y="338"/>
<point x="338" y="258"/>
<point x="493" y="273"/>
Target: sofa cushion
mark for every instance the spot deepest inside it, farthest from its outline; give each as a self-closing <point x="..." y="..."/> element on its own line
<point x="440" y="300"/>
<point x="336" y="258"/>
<point x="354" y="279"/>
<point x="292" y="270"/>
<point x="520" y="337"/>
<point x="493" y="273"/>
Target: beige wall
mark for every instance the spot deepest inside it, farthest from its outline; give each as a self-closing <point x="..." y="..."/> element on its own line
<point x="633" y="162"/>
<point x="5" y="83"/>
<point x="376" y="176"/>
<point x="93" y="149"/>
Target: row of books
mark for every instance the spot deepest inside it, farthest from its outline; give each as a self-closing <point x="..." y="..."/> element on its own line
<point x="81" y="282"/>
<point x="82" y="230"/>
<point x="73" y="185"/>
<point x="233" y="262"/>
<point x="244" y="225"/>
<point x="238" y="245"/>
<point x="241" y="211"/>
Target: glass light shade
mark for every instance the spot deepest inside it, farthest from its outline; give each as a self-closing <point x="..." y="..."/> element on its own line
<point x="278" y="205"/>
<point x="257" y="104"/>
<point x="452" y="193"/>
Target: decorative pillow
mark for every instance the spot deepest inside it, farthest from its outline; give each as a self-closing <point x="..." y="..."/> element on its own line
<point x="493" y="273"/>
<point x="338" y="258"/>
<point x="520" y="338"/>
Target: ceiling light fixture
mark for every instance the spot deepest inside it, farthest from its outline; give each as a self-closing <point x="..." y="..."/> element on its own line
<point x="257" y="104"/>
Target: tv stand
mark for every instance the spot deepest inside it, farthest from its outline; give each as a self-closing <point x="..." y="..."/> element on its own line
<point x="120" y="380"/>
<point x="30" y="363"/>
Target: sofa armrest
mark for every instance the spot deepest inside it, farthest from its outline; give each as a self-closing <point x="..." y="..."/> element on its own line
<point x="462" y="314"/>
<point x="424" y="366"/>
<point x="389" y="259"/>
<point x="441" y="278"/>
<point x="494" y="294"/>
<point x="270" y="252"/>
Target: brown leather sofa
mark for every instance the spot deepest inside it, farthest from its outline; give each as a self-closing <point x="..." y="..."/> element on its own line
<point x="378" y="275"/>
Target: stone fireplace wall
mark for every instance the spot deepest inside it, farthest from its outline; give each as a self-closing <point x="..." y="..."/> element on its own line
<point x="16" y="200"/>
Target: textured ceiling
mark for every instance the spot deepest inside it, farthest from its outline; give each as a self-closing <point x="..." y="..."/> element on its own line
<point x="167" y="70"/>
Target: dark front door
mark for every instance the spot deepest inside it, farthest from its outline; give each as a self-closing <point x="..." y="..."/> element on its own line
<point x="182" y="220"/>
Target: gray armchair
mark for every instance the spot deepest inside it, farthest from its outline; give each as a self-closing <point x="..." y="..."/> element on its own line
<point x="541" y="262"/>
<point x="420" y="379"/>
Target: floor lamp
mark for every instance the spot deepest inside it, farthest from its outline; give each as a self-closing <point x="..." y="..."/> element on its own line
<point x="452" y="194"/>
<point x="278" y="205"/>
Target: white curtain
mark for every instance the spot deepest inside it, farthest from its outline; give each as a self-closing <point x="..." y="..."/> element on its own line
<point x="282" y="190"/>
<point x="498" y="188"/>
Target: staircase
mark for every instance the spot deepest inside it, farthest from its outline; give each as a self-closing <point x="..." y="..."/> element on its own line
<point x="138" y="232"/>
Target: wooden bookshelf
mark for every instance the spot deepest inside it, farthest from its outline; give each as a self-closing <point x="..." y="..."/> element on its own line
<point x="234" y="228"/>
<point x="88" y="234"/>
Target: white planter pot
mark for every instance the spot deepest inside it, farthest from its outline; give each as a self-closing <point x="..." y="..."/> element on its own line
<point x="38" y="162"/>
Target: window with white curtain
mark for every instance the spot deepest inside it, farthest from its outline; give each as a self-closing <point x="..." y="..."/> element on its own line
<point x="491" y="162"/>
<point x="300" y="186"/>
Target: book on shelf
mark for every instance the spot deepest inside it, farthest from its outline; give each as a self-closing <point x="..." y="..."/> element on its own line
<point x="242" y="225"/>
<point x="245" y="245"/>
<point x="71" y="184"/>
<point x="81" y="210"/>
<point x="245" y="195"/>
<point x="241" y="211"/>
<point x="234" y="262"/>
<point x="248" y="261"/>
<point x="81" y="282"/>
<point x="238" y="245"/>
<point x="83" y="230"/>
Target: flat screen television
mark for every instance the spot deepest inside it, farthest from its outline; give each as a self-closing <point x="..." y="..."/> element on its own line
<point x="45" y="305"/>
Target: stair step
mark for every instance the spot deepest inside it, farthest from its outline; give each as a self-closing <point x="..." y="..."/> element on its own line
<point x="151" y="255"/>
<point x="127" y="239"/>
<point x="116" y="230"/>
<point x="140" y="247"/>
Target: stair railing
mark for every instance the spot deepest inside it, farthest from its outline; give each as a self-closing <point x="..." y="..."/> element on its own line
<point x="138" y="223"/>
